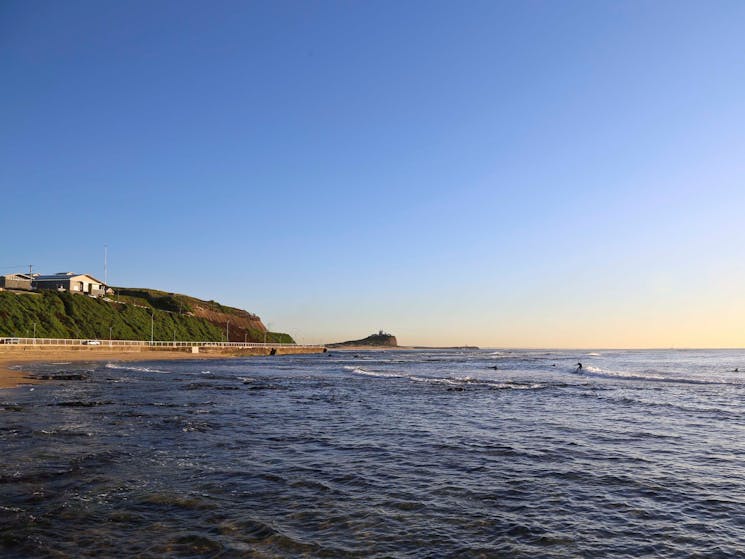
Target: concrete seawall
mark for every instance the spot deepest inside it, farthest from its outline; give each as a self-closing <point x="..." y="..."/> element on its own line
<point x="278" y="350"/>
<point x="11" y="351"/>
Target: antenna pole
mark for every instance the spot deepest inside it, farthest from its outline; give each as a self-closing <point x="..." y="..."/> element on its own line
<point x="105" y="265"/>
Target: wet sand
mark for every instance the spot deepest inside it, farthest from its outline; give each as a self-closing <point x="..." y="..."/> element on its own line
<point x="12" y="378"/>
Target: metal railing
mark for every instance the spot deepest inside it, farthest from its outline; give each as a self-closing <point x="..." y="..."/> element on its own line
<point x="12" y="340"/>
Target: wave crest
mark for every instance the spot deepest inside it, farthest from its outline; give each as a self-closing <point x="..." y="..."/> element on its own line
<point x="133" y="368"/>
<point x="652" y="376"/>
<point x="460" y="382"/>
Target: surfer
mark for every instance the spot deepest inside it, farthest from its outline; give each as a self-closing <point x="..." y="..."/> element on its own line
<point x="579" y="367"/>
<point x="495" y="368"/>
<point x="737" y="370"/>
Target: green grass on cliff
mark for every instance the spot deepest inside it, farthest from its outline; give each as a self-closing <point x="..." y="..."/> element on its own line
<point x="64" y="315"/>
<point x="173" y="302"/>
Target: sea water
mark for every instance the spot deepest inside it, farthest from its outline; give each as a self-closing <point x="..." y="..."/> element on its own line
<point x="513" y="454"/>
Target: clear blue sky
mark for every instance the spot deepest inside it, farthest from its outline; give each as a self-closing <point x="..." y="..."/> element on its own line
<point x="496" y="173"/>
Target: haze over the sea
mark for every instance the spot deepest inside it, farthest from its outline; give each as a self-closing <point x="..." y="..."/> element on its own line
<point x="542" y="174"/>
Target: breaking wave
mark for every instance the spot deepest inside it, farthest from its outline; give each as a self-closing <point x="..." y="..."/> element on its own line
<point x="365" y="372"/>
<point x="450" y="381"/>
<point x="134" y="368"/>
<point x="653" y="376"/>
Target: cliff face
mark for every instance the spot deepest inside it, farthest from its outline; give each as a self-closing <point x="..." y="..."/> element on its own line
<point x="242" y="324"/>
<point x="381" y="339"/>
<point x="238" y="317"/>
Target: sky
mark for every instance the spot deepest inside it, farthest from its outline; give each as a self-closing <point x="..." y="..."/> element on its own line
<point x="498" y="173"/>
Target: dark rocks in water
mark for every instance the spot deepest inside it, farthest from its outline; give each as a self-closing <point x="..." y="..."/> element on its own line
<point x="253" y="386"/>
<point x="11" y="407"/>
<point x="80" y="404"/>
<point x="174" y="500"/>
<point x="62" y="375"/>
<point x="209" y="385"/>
<point x="192" y="545"/>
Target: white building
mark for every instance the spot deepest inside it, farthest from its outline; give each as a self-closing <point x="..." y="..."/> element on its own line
<point x="69" y="281"/>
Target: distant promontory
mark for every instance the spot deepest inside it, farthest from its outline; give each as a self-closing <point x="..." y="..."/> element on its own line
<point x="381" y="339"/>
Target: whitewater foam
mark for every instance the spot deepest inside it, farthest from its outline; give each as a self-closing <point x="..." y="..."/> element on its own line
<point x="134" y="368"/>
<point x="366" y="372"/>
<point x="590" y="370"/>
<point x="449" y="381"/>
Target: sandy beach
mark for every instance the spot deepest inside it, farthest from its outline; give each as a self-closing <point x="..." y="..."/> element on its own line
<point x="13" y="373"/>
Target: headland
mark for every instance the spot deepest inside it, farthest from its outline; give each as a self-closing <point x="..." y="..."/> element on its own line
<point x="381" y="340"/>
<point x="75" y="317"/>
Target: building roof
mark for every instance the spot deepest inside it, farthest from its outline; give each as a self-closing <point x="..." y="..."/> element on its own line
<point x="63" y="276"/>
<point x="17" y="276"/>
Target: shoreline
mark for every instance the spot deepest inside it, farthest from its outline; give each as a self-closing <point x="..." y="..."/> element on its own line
<point x="14" y="372"/>
<point x="367" y="348"/>
<point x="398" y="348"/>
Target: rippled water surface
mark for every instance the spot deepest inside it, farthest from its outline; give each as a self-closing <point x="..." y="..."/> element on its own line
<point x="381" y="454"/>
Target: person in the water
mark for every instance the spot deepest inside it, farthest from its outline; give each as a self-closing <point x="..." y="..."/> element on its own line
<point x="579" y="367"/>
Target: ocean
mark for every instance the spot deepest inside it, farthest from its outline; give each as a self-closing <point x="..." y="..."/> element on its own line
<point x="411" y="454"/>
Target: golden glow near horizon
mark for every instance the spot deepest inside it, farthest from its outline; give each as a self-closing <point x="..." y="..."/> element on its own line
<point x="609" y="316"/>
<point x="661" y="326"/>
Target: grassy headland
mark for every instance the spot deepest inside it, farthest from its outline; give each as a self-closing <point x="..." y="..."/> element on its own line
<point x="128" y="317"/>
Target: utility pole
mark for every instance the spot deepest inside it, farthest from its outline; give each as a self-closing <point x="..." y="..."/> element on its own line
<point x="227" y="332"/>
<point x="105" y="265"/>
<point x="152" y="325"/>
<point x="30" y="269"/>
